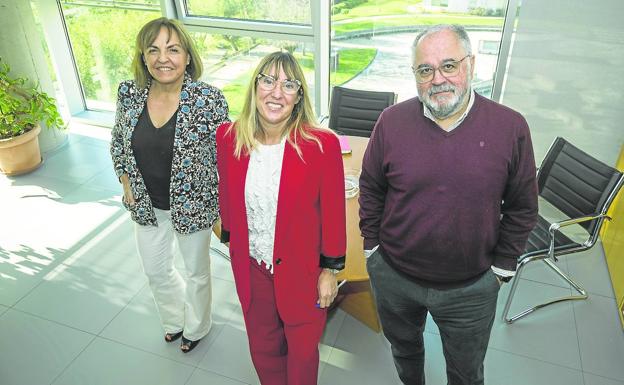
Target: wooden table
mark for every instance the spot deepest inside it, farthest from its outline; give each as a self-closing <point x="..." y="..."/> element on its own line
<point x="355" y="296"/>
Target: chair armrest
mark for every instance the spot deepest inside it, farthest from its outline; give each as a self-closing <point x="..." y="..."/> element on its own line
<point x="567" y="222"/>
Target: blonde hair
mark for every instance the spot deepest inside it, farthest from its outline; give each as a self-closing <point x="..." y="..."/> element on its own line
<point x="146" y="36"/>
<point x="302" y="120"/>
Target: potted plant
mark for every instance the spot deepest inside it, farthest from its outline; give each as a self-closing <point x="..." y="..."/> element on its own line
<point x="22" y="108"/>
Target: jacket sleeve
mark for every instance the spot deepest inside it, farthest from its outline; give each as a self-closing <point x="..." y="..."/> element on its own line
<point x="519" y="209"/>
<point x="373" y="187"/>
<point x="220" y="108"/>
<point x="117" y="141"/>
<point x="223" y="152"/>
<point x="332" y="202"/>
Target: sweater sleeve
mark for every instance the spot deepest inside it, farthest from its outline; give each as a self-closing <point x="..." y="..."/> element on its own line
<point x="373" y="187"/>
<point x="332" y="201"/>
<point x="519" y="209"/>
<point x="222" y="154"/>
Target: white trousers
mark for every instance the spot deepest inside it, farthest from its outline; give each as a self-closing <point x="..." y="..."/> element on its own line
<point x="183" y="302"/>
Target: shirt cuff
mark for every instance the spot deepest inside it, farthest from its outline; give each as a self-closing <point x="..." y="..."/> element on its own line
<point x="502" y="272"/>
<point x="368" y="253"/>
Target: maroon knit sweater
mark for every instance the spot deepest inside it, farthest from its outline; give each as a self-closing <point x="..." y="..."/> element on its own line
<point x="445" y="206"/>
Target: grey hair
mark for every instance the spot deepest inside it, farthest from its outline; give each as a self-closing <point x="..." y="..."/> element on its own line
<point x="458" y="30"/>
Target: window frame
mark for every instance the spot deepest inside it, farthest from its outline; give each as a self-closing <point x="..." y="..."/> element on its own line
<point x="317" y="33"/>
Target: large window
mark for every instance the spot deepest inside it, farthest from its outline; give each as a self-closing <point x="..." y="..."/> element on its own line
<point x="102" y="36"/>
<point x="388" y="27"/>
<point x="287" y="11"/>
<point x="361" y="44"/>
<point x="230" y="60"/>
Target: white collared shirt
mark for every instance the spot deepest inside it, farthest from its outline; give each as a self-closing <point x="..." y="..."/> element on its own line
<point x="471" y="99"/>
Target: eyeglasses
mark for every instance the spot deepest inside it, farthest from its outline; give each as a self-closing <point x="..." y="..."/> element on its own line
<point x="449" y="68"/>
<point x="268" y="83"/>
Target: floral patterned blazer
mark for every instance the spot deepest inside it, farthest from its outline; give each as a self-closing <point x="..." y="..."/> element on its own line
<point x="193" y="187"/>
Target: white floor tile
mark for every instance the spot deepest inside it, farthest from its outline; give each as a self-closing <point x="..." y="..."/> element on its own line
<point x="105" y="179"/>
<point x="502" y="368"/>
<point x="138" y="325"/>
<point x="35" y="351"/>
<point x="220" y="267"/>
<point x="332" y="328"/>
<point x="589" y="270"/>
<point x="67" y="254"/>
<point x="105" y="362"/>
<point x="430" y="325"/>
<point x="33" y="185"/>
<point x="591" y="379"/>
<point x="76" y="162"/>
<point x="203" y="377"/>
<point x="84" y="297"/>
<point x="600" y="337"/>
<point x="17" y="278"/>
<point x="229" y="356"/>
<point x="549" y="334"/>
<point x="350" y="361"/>
<point x="538" y="271"/>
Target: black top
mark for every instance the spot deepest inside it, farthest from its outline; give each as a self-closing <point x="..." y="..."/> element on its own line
<point x="153" y="150"/>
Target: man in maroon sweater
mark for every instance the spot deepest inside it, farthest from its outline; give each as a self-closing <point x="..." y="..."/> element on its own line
<point x="448" y="196"/>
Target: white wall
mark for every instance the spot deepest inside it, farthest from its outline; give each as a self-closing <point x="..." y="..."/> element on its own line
<point x="20" y="47"/>
<point x="566" y="74"/>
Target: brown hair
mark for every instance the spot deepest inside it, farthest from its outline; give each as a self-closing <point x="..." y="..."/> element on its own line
<point x="146" y="36"/>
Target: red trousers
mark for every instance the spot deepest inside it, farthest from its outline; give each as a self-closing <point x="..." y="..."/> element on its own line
<point x="282" y="353"/>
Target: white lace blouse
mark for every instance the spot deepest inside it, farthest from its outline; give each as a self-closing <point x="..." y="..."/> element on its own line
<point x="261" y="191"/>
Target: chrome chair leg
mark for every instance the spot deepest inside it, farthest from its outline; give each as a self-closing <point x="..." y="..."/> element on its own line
<point x="582" y="293"/>
<point x="221" y="253"/>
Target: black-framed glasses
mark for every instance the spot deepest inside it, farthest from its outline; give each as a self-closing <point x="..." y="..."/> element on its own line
<point x="426" y="73"/>
<point x="268" y="83"/>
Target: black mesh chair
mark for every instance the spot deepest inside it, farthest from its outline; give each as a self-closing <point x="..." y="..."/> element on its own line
<point x="355" y="112"/>
<point x="582" y="188"/>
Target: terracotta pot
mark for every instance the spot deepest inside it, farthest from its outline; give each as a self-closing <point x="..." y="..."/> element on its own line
<point x="21" y="154"/>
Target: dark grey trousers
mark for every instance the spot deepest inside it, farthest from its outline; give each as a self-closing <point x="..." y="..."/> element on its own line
<point x="464" y="316"/>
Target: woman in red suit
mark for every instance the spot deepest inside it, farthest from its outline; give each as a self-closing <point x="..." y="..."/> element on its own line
<point x="281" y="196"/>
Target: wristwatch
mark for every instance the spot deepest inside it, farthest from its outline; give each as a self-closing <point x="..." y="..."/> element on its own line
<point x="333" y="271"/>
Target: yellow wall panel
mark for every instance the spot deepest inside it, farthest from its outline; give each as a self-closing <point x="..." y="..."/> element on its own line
<point x="612" y="235"/>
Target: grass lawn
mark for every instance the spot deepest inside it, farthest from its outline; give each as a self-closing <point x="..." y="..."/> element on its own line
<point x="377" y="8"/>
<point x="350" y="63"/>
<point x="417" y="20"/>
<point x="235" y="95"/>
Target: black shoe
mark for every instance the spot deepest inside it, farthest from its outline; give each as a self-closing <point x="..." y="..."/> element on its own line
<point x="188" y="345"/>
<point x="170" y="337"/>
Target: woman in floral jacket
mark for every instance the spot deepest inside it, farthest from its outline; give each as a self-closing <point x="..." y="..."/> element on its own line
<point x="164" y="154"/>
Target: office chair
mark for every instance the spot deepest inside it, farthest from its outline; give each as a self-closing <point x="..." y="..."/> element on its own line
<point x="355" y="112"/>
<point x="582" y="188"/>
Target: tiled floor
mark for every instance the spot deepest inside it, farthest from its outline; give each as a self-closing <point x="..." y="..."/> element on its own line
<point x="75" y="308"/>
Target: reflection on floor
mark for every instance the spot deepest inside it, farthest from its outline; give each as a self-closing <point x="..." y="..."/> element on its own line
<point x="75" y="308"/>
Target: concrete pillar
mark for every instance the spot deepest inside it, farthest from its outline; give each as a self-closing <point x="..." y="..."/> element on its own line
<point x="21" y="48"/>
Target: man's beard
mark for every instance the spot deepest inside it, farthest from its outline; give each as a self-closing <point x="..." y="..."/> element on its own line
<point x="449" y="105"/>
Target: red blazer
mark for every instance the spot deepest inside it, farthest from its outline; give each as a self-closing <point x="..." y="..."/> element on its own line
<point x="310" y="228"/>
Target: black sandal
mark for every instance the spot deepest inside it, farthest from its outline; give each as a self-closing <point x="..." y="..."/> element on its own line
<point x="188" y="344"/>
<point x="170" y="337"/>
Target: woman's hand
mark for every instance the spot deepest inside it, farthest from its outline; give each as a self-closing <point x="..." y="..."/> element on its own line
<point x="128" y="197"/>
<point x="327" y="288"/>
